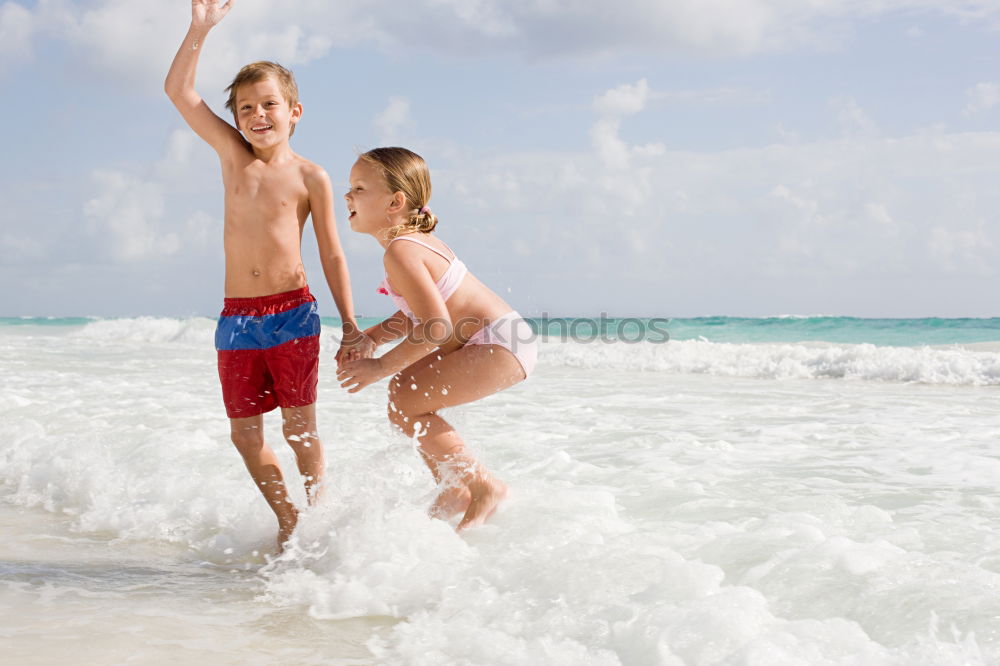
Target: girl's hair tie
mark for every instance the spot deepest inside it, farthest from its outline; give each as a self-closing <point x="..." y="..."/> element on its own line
<point x="424" y="210"/>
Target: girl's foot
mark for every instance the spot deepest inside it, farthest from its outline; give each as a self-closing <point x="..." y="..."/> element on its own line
<point x="487" y="493"/>
<point x="451" y="501"/>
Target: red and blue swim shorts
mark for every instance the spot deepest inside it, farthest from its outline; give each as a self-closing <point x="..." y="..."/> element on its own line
<point x="268" y="352"/>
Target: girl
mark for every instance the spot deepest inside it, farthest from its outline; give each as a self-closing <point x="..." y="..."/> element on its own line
<point x="463" y="342"/>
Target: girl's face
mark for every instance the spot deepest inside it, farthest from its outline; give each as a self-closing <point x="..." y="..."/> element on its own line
<point x="369" y="199"/>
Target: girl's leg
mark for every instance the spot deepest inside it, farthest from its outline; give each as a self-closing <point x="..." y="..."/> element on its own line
<point x="299" y="428"/>
<point x="433" y="383"/>
<point x="248" y="436"/>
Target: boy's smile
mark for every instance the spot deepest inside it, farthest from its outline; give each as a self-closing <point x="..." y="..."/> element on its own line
<point x="263" y="114"/>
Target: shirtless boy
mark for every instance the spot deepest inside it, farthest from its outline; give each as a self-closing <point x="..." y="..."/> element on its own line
<point x="268" y="333"/>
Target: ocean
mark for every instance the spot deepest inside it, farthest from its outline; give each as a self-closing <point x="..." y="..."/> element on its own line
<point x="784" y="490"/>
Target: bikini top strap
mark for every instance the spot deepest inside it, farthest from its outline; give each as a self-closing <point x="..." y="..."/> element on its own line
<point x="427" y="245"/>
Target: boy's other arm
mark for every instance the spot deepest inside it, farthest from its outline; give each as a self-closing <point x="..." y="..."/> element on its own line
<point x="180" y="81"/>
<point x="331" y="254"/>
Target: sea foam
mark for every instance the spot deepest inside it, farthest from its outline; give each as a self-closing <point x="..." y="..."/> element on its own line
<point x="952" y="365"/>
<point x="784" y="361"/>
<point x="678" y="517"/>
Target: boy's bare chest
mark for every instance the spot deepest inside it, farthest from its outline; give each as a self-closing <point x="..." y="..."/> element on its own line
<point x="273" y="191"/>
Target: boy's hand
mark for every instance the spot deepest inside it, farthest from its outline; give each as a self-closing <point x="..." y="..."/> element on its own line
<point x="358" y="347"/>
<point x="206" y="13"/>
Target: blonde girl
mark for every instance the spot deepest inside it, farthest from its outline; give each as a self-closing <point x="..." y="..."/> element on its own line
<point x="462" y="341"/>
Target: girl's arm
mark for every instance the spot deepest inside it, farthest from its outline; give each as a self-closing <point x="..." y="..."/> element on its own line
<point x="390" y="329"/>
<point x="406" y="269"/>
<point x="413" y="280"/>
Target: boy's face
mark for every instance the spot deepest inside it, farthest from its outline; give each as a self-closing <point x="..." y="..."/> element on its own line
<point x="263" y="114"/>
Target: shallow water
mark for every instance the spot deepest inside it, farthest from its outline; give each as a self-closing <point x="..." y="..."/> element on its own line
<point x="687" y="503"/>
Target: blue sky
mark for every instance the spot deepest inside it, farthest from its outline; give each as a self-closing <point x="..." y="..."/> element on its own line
<point x="640" y="158"/>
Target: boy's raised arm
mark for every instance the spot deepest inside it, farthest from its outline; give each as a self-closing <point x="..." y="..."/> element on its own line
<point x="180" y="81"/>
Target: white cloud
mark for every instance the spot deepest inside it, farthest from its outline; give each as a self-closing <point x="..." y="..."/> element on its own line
<point x="963" y="250"/>
<point x="20" y="246"/>
<point x="141" y="218"/>
<point x="613" y="152"/>
<point x="135" y="40"/>
<point x="128" y="212"/>
<point x="624" y="100"/>
<point x="723" y="95"/>
<point x="484" y="16"/>
<point x="392" y="119"/>
<point x="982" y="97"/>
<point x="862" y="207"/>
<point x="16" y="31"/>
<point x="852" y="118"/>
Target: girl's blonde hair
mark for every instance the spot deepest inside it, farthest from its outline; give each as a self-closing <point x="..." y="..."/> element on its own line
<point x="405" y="171"/>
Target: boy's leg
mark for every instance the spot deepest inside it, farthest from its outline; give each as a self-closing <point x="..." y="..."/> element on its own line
<point x="299" y="427"/>
<point x="248" y="437"/>
<point x="465" y="375"/>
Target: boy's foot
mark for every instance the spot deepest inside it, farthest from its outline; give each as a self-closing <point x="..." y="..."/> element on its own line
<point x="451" y="501"/>
<point x="285" y="529"/>
<point x="486" y="494"/>
<point x="283" y="538"/>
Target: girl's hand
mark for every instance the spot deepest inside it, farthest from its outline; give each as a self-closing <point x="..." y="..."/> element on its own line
<point x="356" y="375"/>
<point x="358" y="348"/>
<point x="207" y="13"/>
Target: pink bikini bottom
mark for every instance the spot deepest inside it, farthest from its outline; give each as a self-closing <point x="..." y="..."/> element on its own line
<point x="513" y="334"/>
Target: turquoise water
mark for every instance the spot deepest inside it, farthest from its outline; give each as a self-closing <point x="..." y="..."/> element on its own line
<point x="887" y="332"/>
<point x="842" y="330"/>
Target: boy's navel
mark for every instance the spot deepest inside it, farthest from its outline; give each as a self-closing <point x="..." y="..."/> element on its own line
<point x="256" y="272"/>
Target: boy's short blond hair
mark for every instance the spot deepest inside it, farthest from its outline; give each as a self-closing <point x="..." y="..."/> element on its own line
<point x="258" y="71"/>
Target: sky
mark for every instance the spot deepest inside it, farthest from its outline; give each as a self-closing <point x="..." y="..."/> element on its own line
<point x="654" y="158"/>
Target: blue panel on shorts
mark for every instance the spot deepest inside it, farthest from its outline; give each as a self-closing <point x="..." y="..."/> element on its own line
<point x="247" y="332"/>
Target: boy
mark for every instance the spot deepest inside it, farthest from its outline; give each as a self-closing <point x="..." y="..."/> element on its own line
<point x="268" y="333"/>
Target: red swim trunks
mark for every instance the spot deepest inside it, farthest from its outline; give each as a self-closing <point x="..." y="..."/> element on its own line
<point x="268" y="352"/>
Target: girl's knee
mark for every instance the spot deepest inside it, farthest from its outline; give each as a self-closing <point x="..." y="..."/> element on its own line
<point x="407" y="422"/>
<point x="400" y="420"/>
<point x="394" y="410"/>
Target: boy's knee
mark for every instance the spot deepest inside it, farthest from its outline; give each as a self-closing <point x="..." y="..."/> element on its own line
<point x="247" y="441"/>
<point x="298" y="431"/>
